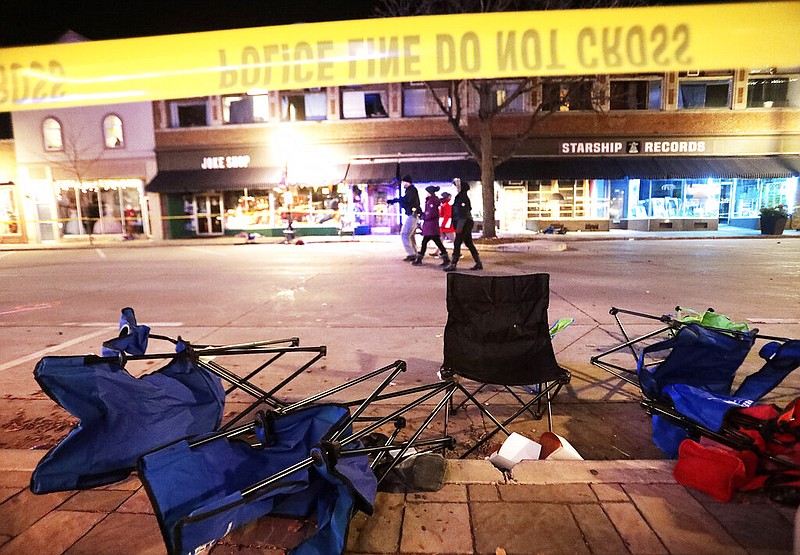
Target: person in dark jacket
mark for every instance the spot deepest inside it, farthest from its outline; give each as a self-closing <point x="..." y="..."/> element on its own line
<point x="430" y="227"/>
<point x="409" y="203"/>
<point x="463" y="222"/>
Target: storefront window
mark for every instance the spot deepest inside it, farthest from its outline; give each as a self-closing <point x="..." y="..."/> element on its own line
<point x="9" y="211"/>
<point x="102" y="207"/>
<point x="746" y="198"/>
<point x="568" y="198"/>
<point x="674" y="198"/>
<point x="775" y="192"/>
<point x="339" y="205"/>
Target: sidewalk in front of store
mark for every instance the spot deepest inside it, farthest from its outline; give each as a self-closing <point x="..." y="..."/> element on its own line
<point x="554" y="507"/>
<point x="505" y="240"/>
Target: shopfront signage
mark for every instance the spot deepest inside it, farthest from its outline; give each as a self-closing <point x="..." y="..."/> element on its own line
<point x="225" y="162"/>
<point x="633" y="147"/>
<point x="392" y="50"/>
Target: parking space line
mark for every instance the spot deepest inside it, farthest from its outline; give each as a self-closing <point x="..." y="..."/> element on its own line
<point x="54" y="348"/>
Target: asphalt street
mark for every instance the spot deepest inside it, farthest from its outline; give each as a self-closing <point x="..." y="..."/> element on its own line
<point x="369" y="308"/>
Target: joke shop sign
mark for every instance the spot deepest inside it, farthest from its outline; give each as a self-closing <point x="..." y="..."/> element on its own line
<point x="633" y="147"/>
<point x="225" y="162"/>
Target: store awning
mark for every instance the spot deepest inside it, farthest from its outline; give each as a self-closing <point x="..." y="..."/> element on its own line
<point x="697" y="167"/>
<point x="558" y="168"/>
<point x="372" y="172"/>
<point x="793" y="163"/>
<point x="193" y="181"/>
<point x="649" y="167"/>
<point x="441" y="171"/>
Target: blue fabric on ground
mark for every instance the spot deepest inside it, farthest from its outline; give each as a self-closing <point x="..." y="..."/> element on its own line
<point x="196" y="491"/>
<point x="781" y="359"/>
<point x="706" y="408"/>
<point x="121" y="417"/>
<point x="699" y="357"/>
<point x="132" y="337"/>
<point x="667" y="435"/>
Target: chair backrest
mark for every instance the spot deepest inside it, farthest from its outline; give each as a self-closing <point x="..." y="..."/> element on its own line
<point x="497" y="329"/>
<point x="698" y="356"/>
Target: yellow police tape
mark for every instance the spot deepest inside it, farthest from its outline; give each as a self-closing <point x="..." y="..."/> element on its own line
<point x="427" y="48"/>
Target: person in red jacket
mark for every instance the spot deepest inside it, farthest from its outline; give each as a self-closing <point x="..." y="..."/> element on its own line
<point x="446" y="227"/>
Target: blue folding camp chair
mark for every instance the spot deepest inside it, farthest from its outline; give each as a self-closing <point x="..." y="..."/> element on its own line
<point x="305" y="461"/>
<point x="689" y="393"/>
<point x="668" y="326"/>
<point x="122" y="417"/>
<point x="204" y="489"/>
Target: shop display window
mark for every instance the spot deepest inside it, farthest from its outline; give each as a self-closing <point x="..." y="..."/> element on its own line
<point x="673" y="198"/>
<point x="568" y="199"/>
<point x="102" y="207"/>
<point x="9" y="211"/>
<point x="340" y="205"/>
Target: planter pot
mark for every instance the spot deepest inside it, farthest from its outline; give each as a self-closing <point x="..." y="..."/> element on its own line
<point x="773" y="225"/>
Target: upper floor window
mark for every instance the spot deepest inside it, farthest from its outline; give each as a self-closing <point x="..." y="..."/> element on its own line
<point x="418" y="100"/>
<point x="774" y="88"/>
<point x="635" y="94"/>
<point x="188" y="113"/>
<point x="51" y="133"/>
<point x="704" y="93"/>
<point x="501" y="91"/>
<point x="112" y="132"/>
<point x="300" y="106"/>
<point x="363" y="104"/>
<point x="566" y="97"/>
<point x="245" y="108"/>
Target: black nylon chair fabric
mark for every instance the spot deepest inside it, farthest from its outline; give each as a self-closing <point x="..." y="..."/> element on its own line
<point x="497" y="330"/>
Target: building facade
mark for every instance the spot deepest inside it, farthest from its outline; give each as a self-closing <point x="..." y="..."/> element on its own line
<point x="678" y="151"/>
<point x="12" y="227"/>
<point x="81" y="172"/>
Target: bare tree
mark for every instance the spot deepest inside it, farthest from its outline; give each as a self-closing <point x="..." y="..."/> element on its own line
<point x="494" y="96"/>
<point x="77" y="159"/>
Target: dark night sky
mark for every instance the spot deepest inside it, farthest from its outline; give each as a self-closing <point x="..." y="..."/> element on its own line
<point x="29" y="22"/>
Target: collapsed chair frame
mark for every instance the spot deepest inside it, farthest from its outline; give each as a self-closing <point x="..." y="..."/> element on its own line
<point x="671" y="325"/>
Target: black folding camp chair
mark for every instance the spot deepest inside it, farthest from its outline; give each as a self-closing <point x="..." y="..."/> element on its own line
<point x="497" y="334"/>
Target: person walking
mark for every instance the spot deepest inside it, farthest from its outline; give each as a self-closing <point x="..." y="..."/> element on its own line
<point x="446" y="229"/>
<point x="463" y="222"/>
<point x="430" y="227"/>
<point x="409" y="203"/>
